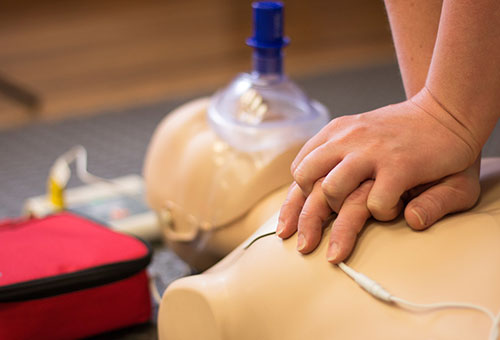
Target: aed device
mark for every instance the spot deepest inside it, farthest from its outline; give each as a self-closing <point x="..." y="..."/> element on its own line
<point x="118" y="203"/>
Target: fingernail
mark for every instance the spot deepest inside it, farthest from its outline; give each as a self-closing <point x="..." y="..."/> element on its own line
<point x="280" y="228"/>
<point x="420" y="215"/>
<point x="333" y="252"/>
<point x="301" y="242"/>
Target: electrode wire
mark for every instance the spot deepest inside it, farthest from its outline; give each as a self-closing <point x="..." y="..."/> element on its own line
<point x="373" y="288"/>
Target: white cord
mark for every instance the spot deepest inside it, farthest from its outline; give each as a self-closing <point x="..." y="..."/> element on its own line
<point x="61" y="172"/>
<point x="443" y="305"/>
<point x="81" y="166"/>
<point x="155" y="293"/>
<point x="376" y="290"/>
<point x="79" y="155"/>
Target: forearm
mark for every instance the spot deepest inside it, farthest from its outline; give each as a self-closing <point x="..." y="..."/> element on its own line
<point x="414" y="27"/>
<point x="464" y="76"/>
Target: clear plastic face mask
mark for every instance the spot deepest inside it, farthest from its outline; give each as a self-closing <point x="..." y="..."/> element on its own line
<point x="256" y="113"/>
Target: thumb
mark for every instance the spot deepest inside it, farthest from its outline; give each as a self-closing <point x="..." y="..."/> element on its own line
<point x="453" y="194"/>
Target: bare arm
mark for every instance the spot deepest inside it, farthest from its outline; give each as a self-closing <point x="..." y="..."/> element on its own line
<point x="464" y="76"/>
<point x="414" y="26"/>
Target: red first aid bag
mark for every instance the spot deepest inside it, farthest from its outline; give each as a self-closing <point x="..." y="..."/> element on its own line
<point x="65" y="277"/>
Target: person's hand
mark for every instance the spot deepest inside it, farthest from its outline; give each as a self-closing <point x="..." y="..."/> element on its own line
<point x="454" y="193"/>
<point x="309" y="215"/>
<point x="451" y="194"/>
<point x="400" y="146"/>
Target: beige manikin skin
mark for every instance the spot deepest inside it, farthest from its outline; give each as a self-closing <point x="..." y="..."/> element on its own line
<point x="270" y="291"/>
<point x="210" y="197"/>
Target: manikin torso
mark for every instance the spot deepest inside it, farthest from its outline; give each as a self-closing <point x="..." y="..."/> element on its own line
<point x="270" y="291"/>
<point x="210" y="197"/>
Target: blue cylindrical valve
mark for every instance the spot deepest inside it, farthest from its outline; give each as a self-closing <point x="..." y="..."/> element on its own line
<point x="267" y="39"/>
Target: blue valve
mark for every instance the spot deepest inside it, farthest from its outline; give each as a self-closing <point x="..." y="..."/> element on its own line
<point x="267" y="39"/>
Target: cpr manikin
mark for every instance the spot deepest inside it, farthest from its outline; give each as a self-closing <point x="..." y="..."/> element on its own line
<point x="270" y="291"/>
<point x="217" y="167"/>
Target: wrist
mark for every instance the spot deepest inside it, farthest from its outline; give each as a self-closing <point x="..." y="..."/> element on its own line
<point x="427" y="102"/>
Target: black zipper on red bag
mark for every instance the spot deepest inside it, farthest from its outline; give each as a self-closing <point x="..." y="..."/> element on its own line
<point x="70" y="282"/>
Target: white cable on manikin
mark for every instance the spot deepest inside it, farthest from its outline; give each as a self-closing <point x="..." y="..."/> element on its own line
<point x="376" y="290"/>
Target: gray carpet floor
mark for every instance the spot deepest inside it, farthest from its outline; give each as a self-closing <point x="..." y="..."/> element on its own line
<point x="116" y="143"/>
